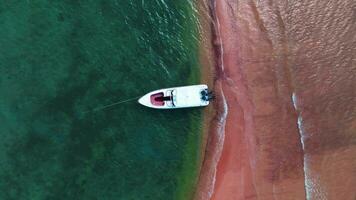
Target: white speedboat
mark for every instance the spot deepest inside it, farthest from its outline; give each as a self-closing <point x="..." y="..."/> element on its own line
<point x="177" y="97"/>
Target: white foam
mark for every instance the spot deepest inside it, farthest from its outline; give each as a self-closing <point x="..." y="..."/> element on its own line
<point x="220" y="42"/>
<point x="220" y="143"/>
<point x="307" y="181"/>
<point x="222" y="119"/>
<point x="294" y="100"/>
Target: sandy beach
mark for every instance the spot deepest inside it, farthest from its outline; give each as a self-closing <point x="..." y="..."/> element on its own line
<point x="284" y="125"/>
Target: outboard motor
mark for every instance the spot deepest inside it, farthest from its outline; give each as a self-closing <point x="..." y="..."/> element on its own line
<point x="207" y="95"/>
<point x="210" y="95"/>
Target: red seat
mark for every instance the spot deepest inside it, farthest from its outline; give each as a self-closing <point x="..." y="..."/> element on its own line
<point x="157" y="99"/>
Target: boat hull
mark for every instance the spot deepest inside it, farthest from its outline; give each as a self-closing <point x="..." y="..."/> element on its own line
<point x="177" y="97"/>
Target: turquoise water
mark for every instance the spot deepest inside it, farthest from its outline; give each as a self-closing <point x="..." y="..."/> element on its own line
<point x="59" y="59"/>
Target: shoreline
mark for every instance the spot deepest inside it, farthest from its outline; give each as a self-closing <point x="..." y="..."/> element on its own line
<point x="214" y="116"/>
<point x="276" y="131"/>
<point x="234" y="167"/>
<point x="231" y="168"/>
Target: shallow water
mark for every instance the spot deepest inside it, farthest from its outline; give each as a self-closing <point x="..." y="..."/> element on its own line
<point x="288" y="70"/>
<point x="60" y="59"/>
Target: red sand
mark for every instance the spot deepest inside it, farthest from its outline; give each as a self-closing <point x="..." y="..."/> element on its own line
<point x="265" y="54"/>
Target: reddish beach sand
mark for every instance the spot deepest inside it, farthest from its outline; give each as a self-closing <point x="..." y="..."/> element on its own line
<point x="285" y="122"/>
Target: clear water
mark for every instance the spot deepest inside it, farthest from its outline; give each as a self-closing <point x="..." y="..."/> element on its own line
<point x="59" y="59"/>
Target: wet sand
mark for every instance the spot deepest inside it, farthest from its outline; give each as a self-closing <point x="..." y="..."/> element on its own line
<point x="285" y="124"/>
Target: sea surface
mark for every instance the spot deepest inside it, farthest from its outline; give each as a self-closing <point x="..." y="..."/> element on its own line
<point x="59" y="62"/>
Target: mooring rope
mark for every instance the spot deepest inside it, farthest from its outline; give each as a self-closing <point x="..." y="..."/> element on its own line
<point x="110" y="105"/>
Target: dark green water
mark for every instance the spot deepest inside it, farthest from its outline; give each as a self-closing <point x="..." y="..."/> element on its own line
<point x="59" y="59"/>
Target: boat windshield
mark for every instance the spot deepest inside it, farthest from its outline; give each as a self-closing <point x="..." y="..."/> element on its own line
<point x="171" y="94"/>
<point x="173" y="97"/>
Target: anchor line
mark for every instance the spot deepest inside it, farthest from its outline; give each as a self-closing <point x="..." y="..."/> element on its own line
<point x="110" y="105"/>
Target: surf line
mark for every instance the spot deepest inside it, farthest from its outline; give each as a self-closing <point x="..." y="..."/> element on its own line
<point x="111" y="105"/>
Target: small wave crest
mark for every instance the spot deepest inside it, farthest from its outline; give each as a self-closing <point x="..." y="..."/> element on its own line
<point x="220" y="133"/>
